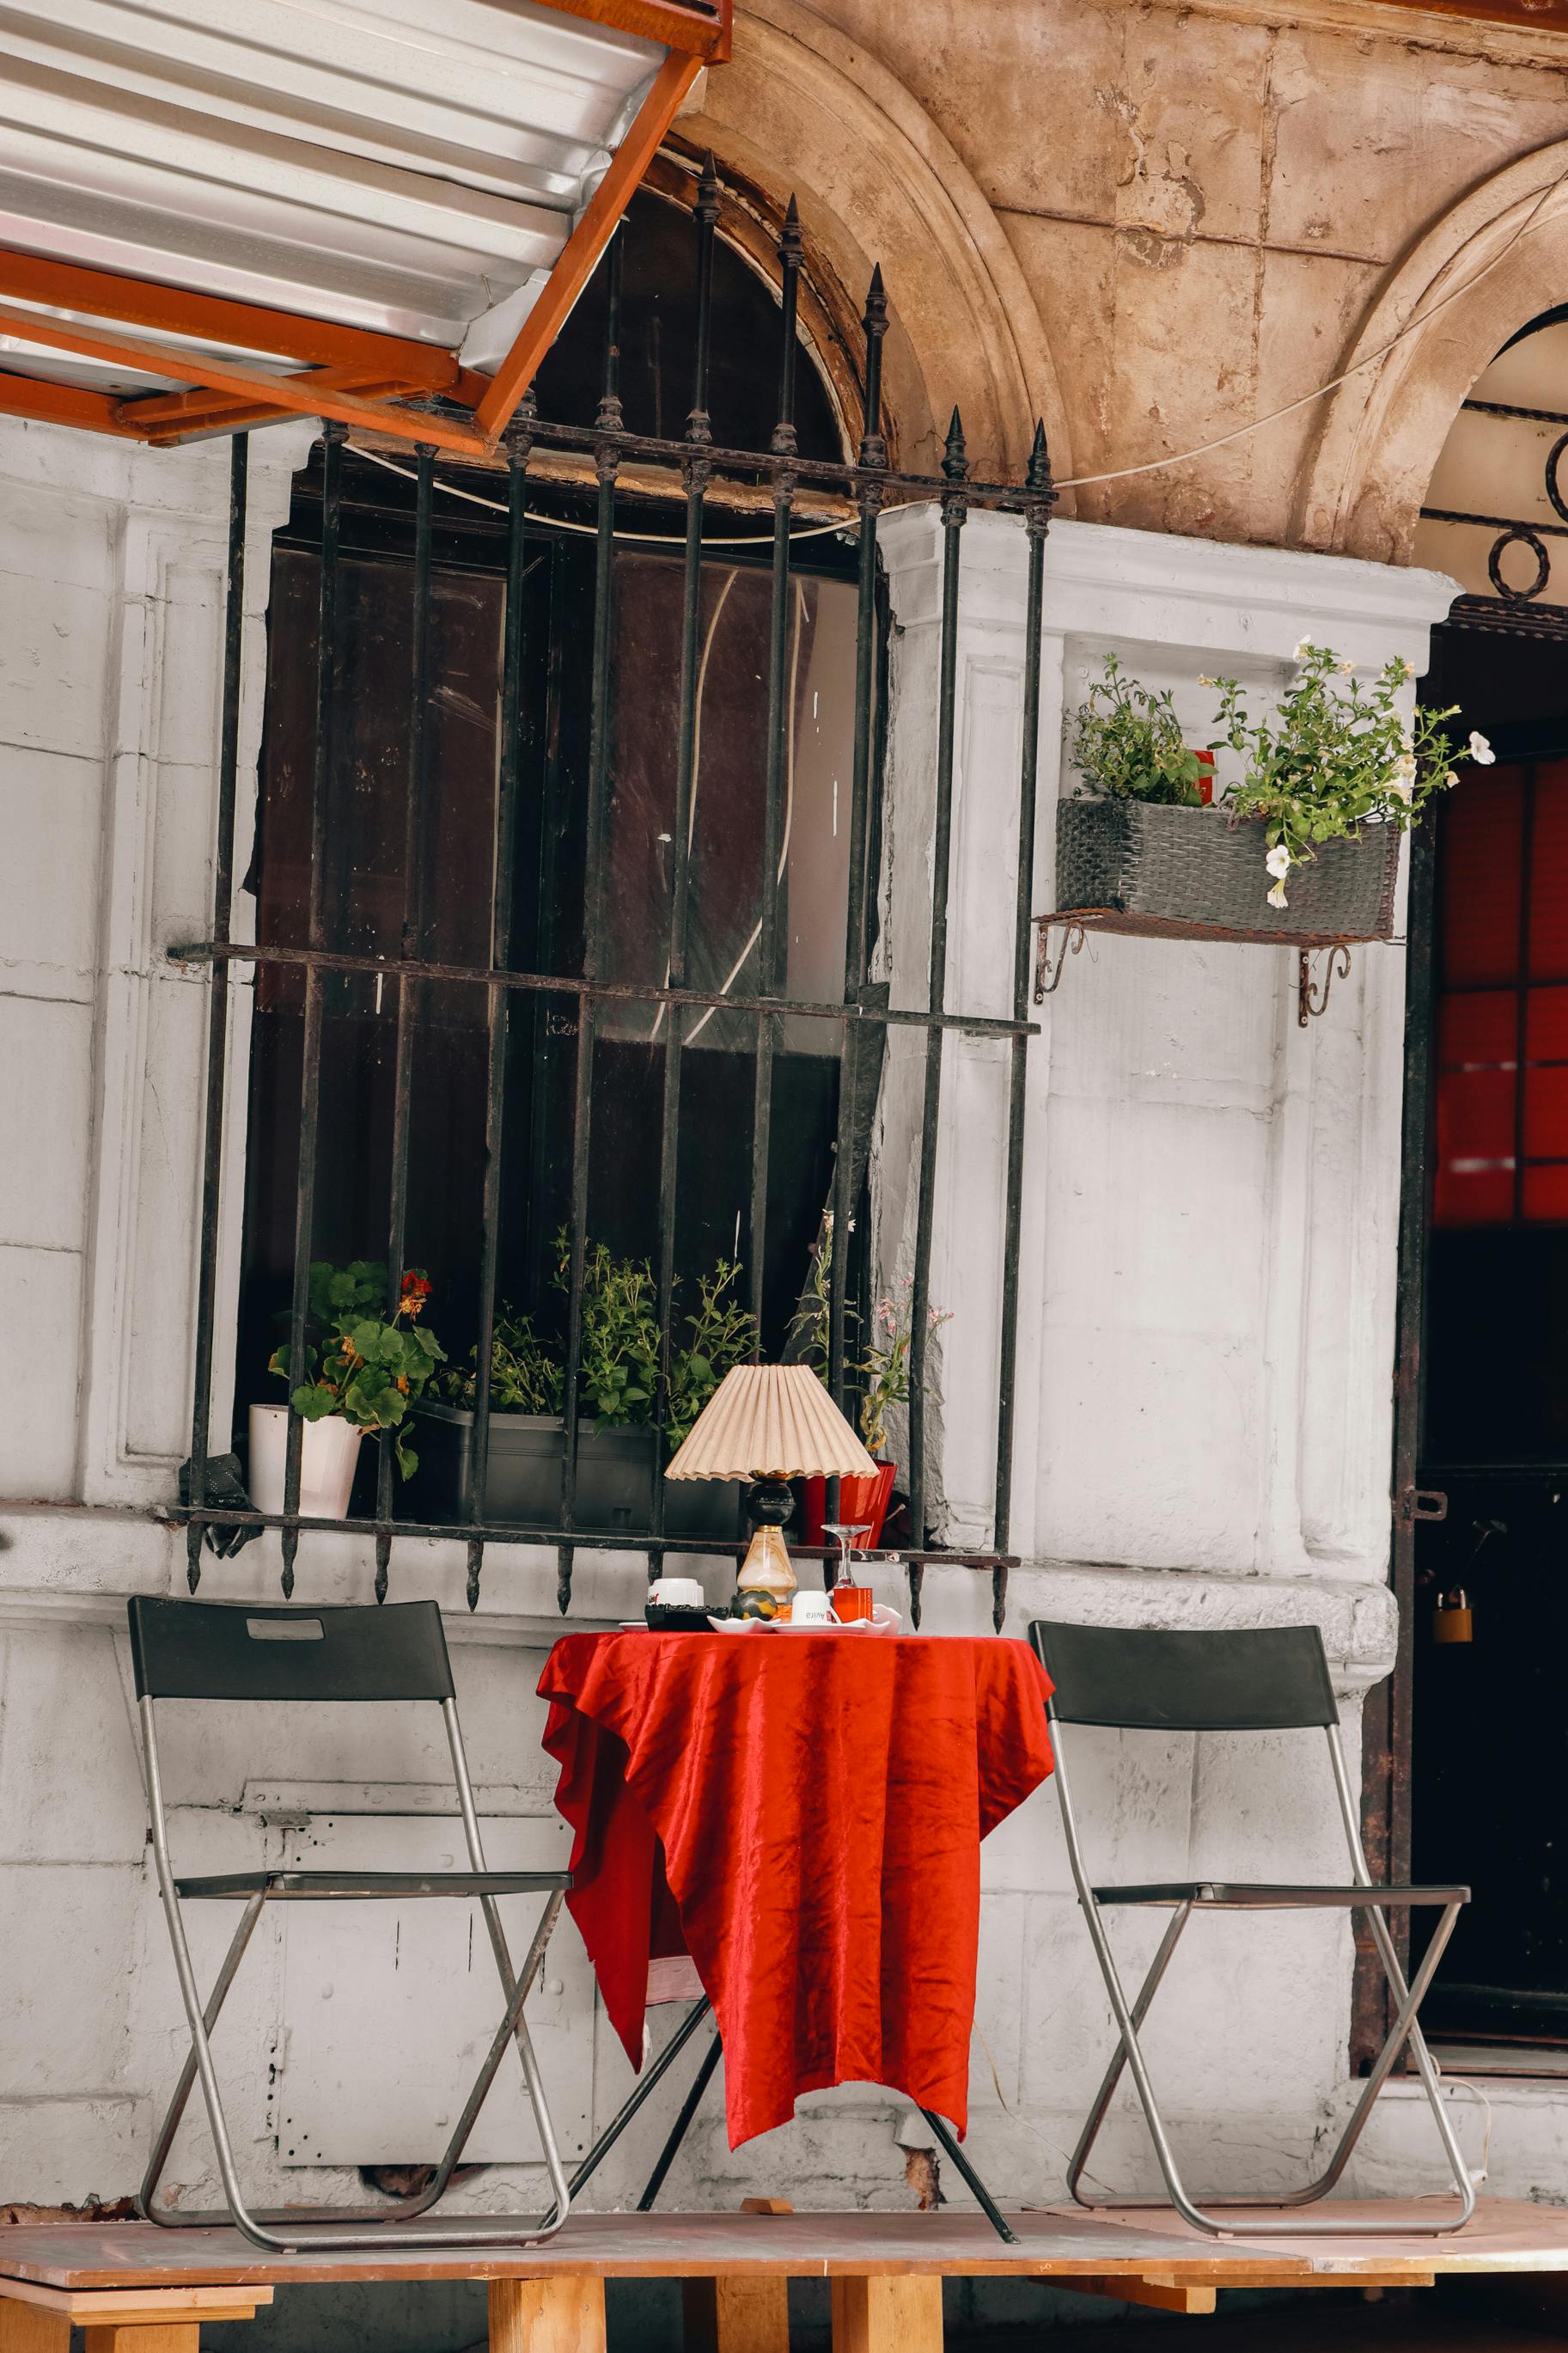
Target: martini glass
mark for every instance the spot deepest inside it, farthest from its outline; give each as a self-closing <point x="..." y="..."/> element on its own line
<point x="846" y="1535"/>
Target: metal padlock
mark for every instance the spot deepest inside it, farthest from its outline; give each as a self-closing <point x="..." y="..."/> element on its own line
<point x="1454" y="1621"/>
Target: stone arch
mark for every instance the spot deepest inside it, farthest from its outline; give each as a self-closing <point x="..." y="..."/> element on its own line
<point x="1383" y="431"/>
<point x="801" y="108"/>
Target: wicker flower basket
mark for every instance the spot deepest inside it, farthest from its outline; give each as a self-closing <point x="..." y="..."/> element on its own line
<point x="1189" y="873"/>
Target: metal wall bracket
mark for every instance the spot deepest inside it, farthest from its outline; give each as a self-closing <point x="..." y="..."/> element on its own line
<point x="1312" y="997"/>
<point x="1049" y="977"/>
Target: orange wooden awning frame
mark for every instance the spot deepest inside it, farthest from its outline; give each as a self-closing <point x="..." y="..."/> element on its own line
<point x="352" y="373"/>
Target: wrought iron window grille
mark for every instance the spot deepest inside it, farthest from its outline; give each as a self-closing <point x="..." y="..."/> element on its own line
<point x="863" y="488"/>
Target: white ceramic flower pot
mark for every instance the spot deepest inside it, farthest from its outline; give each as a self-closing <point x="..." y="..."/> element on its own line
<point x="326" y="1462"/>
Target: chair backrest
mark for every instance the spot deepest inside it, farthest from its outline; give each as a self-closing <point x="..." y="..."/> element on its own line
<point x="234" y="1650"/>
<point x="1263" y="1679"/>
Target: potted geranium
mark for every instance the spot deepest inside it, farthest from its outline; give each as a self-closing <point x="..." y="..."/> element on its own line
<point x="1305" y="844"/>
<point x="618" y="1431"/>
<point x="367" y="1364"/>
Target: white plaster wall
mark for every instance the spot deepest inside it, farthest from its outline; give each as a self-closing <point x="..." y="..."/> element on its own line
<point x="1203" y="1369"/>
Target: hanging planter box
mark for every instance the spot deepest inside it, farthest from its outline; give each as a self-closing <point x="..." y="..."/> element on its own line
<point x="1189" y="873"/>
<point x="616" y="1467"/>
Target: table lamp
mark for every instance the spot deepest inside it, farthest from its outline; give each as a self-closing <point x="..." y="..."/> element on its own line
<point x="768" y="1423"/>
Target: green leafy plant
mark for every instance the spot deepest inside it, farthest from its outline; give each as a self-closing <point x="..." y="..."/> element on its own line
<point x="811" y="1324"/>
<point x="1126" y="743"/>
<point x="884" y="1370"/>
<point x="719" y="1335"/>
<point x="885" y="1367"/>
<point x="526" y="1374"/>
<point x="620" y="1347"/>
<point x="362" y="1361"/>
<point x="1338" y="756"/>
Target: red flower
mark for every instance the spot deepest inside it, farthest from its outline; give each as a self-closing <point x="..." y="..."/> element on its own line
<point x="414" y="1292"/>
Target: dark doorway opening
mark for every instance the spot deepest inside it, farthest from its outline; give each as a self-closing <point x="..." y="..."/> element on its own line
<point x="1487" y="1340"/>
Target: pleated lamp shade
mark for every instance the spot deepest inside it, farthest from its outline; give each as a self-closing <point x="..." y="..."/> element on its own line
<point x="770" y="1422"/>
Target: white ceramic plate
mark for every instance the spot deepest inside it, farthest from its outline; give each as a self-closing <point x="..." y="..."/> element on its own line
<point x="882" y="1620"/>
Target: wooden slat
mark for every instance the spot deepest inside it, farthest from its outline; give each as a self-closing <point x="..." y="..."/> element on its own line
<point x="580" y="255"/>
<point x="1503" y="2237"/>
<point x="1156" y="2295"/>
<point x="131" y="2303"/>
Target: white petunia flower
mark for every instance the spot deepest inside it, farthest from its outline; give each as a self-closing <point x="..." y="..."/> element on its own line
<point x="1208" y="681"/>
<point x="1482" y="751"/>
<point x="1276" y="896"/>
<point x="1279" y="862"/>
<point x="1346" y="667"/>
<point x="1452" y="777"/>
<point x="1403" y="790"/>
<point x="1406" y="764"/>
<point x="1409" y="670"/>
<point x="1300" y="653"/>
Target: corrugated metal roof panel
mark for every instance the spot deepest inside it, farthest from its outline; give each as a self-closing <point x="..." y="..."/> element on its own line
<point x="411" y="168"/>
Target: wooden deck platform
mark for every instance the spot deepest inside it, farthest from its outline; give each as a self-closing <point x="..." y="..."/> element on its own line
<point x="138" y="2289"/>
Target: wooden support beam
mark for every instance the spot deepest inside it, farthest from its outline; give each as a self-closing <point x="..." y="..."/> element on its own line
<point x="146" y="2336"/>
<point x="736" y="2315"/>
<point x="63" y="404"/>
<point x="301" y="394"/>
<point x="564" y="2313"/>
<point x="892" y="2314"/>
<point x="213" y="318"/>
<point x="25" y="2328"/>
<point x="581" y="253"/>
<point x="702" y="32"/>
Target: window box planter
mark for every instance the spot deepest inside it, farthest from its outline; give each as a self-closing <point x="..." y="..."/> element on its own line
<point x="1189" y="873"/>
<point x="616" y="1467"/>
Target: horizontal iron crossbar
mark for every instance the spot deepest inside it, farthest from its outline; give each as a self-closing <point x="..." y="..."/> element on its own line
<point x="614" y="991"/>
<point x="768" y="465"/>
<point x="581" y="1539"/>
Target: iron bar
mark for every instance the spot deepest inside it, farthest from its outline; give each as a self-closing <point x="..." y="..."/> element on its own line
<point x="619" y="1541"/>
<point x="217" y="1000"/>
<point x="871" y="491"/>
<point x="621" y="992"/>
<point x="333" y="437"/>
<point x="503" y="882"/>
<point x="870" y="471"/>
<point x="607" y="464"/>
<point x="682" y="2125"/>
<point x="1496" y="523"/>
<point x="1038" y="523"/>
<point x="954" y="465"/>
<point x="770" y="962"/>
<point x="413" y="938"/>
<point x="694" y="471"/>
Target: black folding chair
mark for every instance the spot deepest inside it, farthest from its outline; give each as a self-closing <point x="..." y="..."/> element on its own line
<point x="1272" y="1679"/>
<point x="222" y="1651"/>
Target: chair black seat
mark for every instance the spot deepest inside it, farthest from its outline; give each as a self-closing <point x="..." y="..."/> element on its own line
<point x="1242" y="1895"/>
<point x="371" y="1885"/>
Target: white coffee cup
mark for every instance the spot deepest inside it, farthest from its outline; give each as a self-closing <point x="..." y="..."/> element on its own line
<point x="812" y="1609"/>
<point x="675" y="1593"/>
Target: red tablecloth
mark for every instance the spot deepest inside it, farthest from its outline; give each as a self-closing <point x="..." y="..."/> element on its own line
<point x="820" y="1801"/>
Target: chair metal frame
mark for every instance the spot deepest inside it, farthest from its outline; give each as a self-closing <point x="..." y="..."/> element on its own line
<point x="1362" y="1893"/>
<point x="413" y="1627"/>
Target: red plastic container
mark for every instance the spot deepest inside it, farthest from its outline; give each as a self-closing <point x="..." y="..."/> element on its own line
<point x="862" y="1502"/>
